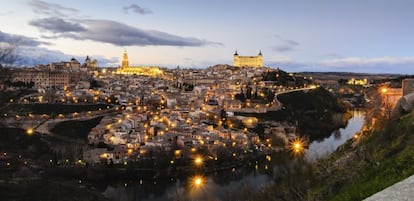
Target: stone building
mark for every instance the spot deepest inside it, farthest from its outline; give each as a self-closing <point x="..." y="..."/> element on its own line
<point x="248" y="61"/>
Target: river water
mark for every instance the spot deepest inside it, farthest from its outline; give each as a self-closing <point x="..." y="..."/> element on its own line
<point x="231" y="184"/>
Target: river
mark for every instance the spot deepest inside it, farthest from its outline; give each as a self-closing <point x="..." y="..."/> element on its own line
<point x="231" y="184"/>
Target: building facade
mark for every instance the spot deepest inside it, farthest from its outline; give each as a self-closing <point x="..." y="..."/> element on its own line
<point x="43" y="79"/>
<point x="248" y="61"/>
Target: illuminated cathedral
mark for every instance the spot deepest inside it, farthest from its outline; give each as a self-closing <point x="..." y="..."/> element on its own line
<point x="125" y="69"/>
<point x="248" y="61"/>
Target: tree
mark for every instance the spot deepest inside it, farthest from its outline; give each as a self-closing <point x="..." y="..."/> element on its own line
<point x="8" y="54"/>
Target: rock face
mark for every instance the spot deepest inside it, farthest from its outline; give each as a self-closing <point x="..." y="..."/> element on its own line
<point x="399" y="191"/>
<point x="403" y="106"/>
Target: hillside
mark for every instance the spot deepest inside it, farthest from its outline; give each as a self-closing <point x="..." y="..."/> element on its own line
<point x="316" y="112"/>
<point x="378" y="158"/>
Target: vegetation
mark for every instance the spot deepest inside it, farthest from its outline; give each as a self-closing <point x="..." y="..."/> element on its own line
<point x="52" y="109"/>
<point x="47" y="191"/>
<point x="75" y="129"/>
<point x="314" y="112"/>
<point x="361" y="167"/>
<point x="388" y="157"/>
<point x="5" y="96"/>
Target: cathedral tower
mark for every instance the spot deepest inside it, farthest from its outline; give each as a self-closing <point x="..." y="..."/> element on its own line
<point x="125" y="63"/>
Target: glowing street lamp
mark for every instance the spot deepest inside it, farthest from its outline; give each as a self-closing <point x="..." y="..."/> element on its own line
<point x="198" y="161"/>
<point x="384" y="90"/>
<point x="29" y="131"/>
<point x="197" y="181"/>
<point x="297" y="146"/>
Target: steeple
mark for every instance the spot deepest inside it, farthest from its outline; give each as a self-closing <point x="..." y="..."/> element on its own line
<point x="125" y="63"/>
<point x="235" y="53"/>
<point x="260" y="53"/>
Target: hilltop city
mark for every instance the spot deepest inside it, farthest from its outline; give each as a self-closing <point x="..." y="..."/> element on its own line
<point x="166" y="122"/>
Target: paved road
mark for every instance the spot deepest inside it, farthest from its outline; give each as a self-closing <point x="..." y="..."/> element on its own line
<point x="401" y="191"/>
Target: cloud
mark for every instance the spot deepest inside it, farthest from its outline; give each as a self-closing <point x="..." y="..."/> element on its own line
<point x="57" y="25"/>
<point x="20" y="40"/>
<point x="285" y="45"/>
<point x="137" y="9"/>
<point x="53" y="9"/>
<point x="29" y="53"/>
<point x="393" y="65"/>
<point x="360" y="62"/>
<point x="31" y="56"/>
<point x="115" y="33"/>
<point x="6" y="13"/>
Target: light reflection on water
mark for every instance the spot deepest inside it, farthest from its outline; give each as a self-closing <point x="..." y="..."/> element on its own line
<point x="230" y="185"/>
<point x="319" y="149"/>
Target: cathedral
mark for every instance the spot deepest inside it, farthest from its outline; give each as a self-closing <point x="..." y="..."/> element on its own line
<point x="248" y="61"/>
<point x="125" y="69"/>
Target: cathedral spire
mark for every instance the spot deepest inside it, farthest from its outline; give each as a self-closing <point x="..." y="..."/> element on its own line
<point x="125" y="63"/>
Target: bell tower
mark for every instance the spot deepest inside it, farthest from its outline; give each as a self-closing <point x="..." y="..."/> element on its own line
<point x="125" y="63"/>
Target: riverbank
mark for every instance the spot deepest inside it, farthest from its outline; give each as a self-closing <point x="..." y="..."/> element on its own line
<point x="361" y="167"/>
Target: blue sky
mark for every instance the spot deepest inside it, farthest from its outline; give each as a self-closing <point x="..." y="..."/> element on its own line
<point x="300" y="35"/>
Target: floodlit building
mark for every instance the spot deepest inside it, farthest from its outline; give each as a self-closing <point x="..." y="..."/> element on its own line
<point x="248" y="61"/>
<point x="125" y="69"/>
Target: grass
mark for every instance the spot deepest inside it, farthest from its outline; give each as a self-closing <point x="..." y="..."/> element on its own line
<point x="391" y="159"/>
<point x="386" y="174"/>
<point x="355" y="171"/>
<point x="5" y="96"/>
<point x="77" y="130"/>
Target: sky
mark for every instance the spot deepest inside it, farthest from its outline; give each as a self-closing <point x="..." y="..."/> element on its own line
<point x="373" y="36"/>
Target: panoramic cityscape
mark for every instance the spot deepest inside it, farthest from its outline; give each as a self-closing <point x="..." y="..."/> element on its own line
<point x="194" y="100"/>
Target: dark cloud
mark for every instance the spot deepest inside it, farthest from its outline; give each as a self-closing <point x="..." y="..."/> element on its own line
<point x="20" y="40"/>
<point x="57" y="25"/>
<point x="113" y="32"/>
<point x="31" y="56"/>
<point x="136" y="9"/>
<point x="285" y="45"/>
<point x="53" y="9"/>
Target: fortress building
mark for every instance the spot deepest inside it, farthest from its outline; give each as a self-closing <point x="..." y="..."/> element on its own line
<point x="125" y="69"/>
<point x="248" y="61"/>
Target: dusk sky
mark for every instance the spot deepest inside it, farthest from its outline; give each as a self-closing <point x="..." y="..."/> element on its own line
<point x="375" y="36"/>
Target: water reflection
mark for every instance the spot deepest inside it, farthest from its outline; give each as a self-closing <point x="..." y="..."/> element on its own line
<point x="233" y="184"/>
<point x="222" y="185"/>
<point x="318" y="149"/>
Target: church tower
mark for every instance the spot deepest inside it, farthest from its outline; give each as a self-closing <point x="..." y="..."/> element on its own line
<point x="125" y="63"/>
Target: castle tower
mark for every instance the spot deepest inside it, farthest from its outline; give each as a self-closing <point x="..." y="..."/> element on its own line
<point x="260" y="59"/>
<point x="236" y="61"/>
<point x="125" y="63"/>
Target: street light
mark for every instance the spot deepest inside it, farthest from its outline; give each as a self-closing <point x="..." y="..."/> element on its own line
<point x="384" y="90"/>
<point x="198" y="161"/>
<point x="297" y="146"/>
<point x="29" y="131"/>
<point x="197" y="181"/>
